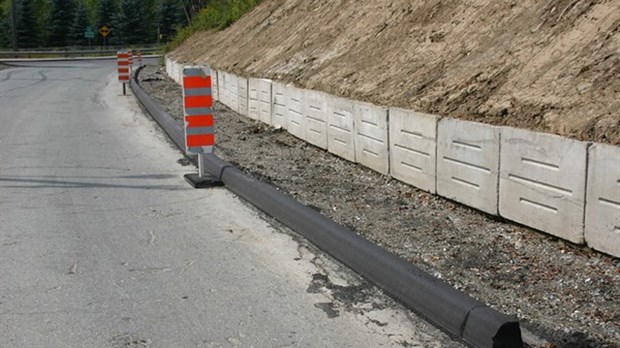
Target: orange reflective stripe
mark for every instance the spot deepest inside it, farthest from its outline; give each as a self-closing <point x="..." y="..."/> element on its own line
<point x="196" y="82"/>
<point x="123" y="62"/>
<point x="199" y="121"/>
<point x="123" y="55"/>
<point x="200" y="140"/>
<point x="123" y="70"/>
<point x="198" y="101"/>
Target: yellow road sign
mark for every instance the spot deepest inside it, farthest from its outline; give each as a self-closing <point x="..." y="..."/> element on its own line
<point x="104" y="31"/>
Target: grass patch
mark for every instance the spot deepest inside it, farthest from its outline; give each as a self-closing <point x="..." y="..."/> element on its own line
<point x="219" y="14"/>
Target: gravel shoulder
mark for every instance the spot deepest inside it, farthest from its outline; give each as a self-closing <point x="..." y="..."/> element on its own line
<point x="565" y="293"/>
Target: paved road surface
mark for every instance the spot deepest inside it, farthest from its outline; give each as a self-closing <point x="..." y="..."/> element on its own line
<point x="103" y="244"/>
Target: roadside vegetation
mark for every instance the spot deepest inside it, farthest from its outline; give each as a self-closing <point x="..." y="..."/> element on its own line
<point x="216" y="15"/>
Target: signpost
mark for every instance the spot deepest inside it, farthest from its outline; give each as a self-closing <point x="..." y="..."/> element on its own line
<point x="198" y="112"/>
<point x="104" y="31"/>
<point x="89" y="34"/>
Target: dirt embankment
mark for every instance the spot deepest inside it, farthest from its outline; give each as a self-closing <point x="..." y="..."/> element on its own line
<point x="551" y="66"/>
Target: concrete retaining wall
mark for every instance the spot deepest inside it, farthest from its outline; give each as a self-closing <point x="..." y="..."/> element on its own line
<point x="278" y="115"/>
<point x="602" y="229"/>
<point x="542" y="182"/>
<point x="340" y="130"/>
<point x="371" y="137"/>
<point x="214" y="85"/>
<point x="413" y="148"/>
<point x="535" y="179"/>
<point x="468" y="163"/>
<point x="242" y="94"/>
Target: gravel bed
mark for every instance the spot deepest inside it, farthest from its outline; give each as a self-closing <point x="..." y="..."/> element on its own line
<point x="567" y="294"/>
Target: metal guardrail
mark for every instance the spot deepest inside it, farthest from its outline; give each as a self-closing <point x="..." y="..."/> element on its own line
<point x="43" y="53"/>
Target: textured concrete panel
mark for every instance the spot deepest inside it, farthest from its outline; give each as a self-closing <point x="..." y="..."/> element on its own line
<point x="225" y="84"/>
<point x="221" y="87"/>
<point x="214" y="85"/>
<point x="340" y="132"/>
<point x="174" y="71"/>
<point x="542" y="182"/>
<point x="413" y="148"/>
<point x="315" y="112"/>
<point x="468" y="163"/>
<point x="602" y="230"/>
<point x="296" y="124"/>
<point x="371" y="137"/>
<point x="264" y="100"/>
<point x="233" y="90"/>
<point x="242" y="84"/>
<point x="278" y="115"/>
<point x="253" y="102"/>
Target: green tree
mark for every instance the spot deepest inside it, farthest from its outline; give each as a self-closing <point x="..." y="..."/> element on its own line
<point x="62" y="16"/>
<point x="27" y="33"/>
<point x="6" y="31"/>
<point x="130" y="23"/>
<point x="170" y="17"/>
<point x="80" y="22"/>
<point x="106" y="10"/>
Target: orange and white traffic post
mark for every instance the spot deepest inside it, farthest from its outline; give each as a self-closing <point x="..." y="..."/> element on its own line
<point x="198" y="115"/>
<point x="123" y="68"/>
<point x="130" y="58"/>
<point x="139" y="57"/>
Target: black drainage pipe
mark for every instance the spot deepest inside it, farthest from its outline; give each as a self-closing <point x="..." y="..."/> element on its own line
<point x="455" y="312"/>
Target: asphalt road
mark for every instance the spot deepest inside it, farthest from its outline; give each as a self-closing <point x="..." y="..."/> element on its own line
<point x="103" y="244"/>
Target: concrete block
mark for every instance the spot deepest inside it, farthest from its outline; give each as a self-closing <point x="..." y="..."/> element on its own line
<point x="175" y="72"/>
<point x="225" y="89"/>
<point x="242" y="87"/>
<point x="602" y="229"/>
<point x="542" y="182"/>
<point x="340" y="131"/>
<point x="413" y="148"/>
<point x="265" y="102"/>
<point x="178" y="72"/>
<point x="278" y="116"/>
<point x="315" y="115"/>
<point x="468" y="163"/>
<point x="371" y="137"/>
<point x="214" y="86"/>
<point x="168" y="64"/>
<point x="296" y="124"/>
<point x="233" y="92"/>
<point x="221" y="87"/>
<point x="253" y="102"/>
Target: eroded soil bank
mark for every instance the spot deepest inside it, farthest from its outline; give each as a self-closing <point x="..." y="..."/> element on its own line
<point x="551" y="66"/>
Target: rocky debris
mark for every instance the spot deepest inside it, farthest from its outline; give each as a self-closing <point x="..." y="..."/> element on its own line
<point x="567" y="294"/>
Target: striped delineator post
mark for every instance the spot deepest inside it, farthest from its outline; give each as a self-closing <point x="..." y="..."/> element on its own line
<point x="123" y="68"/>
<point x="130" y="58"/>
<point x="198" y="115"/>
<point x="139" y="57"/>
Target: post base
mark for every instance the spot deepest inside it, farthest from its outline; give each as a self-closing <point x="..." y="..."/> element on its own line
<point x="202" y="182"/>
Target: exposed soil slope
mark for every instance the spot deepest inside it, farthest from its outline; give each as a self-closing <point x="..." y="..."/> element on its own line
<point x="551" y="66"/>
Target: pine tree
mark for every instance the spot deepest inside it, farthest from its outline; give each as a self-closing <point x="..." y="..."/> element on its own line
<point x="79" y="24"/>
<point x="106" y="11"/>
<point x="130" y="23"/>
<point x="27" y="33"/>
<point x="6" y="31"/>
<point x="62" y="16"/>
<point x="170" y="17"/>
